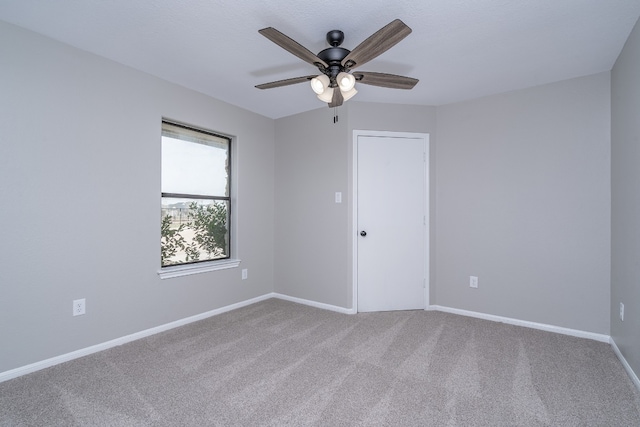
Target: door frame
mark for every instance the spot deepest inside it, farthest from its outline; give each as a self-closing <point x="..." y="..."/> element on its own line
<point x="354" y="199"/>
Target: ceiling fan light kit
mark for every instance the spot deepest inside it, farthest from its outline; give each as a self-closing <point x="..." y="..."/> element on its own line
<point x="335" y="63"/>
<point x="321" y="85"/>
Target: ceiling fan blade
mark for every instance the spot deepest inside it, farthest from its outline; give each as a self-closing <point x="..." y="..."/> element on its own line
<point x="385" y="80"/>
<point x="285" y="82"/>
<point x="291" y="46"/>
<point x="378" y="43"/>
<point x="337" y="98"/>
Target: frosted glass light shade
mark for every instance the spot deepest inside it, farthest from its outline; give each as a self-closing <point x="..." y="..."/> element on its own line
<point x="319" y="84"/>
<point x="346" y="81"/>
<point x="348" y="94"/>
<point x="327" y="95"/>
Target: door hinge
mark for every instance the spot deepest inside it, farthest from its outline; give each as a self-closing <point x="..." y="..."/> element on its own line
<point x="424" y="157"/>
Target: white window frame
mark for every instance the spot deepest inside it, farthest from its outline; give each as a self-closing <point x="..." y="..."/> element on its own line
<point x="233" y="261"/>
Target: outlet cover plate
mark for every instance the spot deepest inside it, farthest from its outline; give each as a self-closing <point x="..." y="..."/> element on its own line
<point x="473" y="281"/>
<point x="79" y="307"/>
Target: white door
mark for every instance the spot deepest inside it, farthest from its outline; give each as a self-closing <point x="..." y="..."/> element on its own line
<point x="391" y="221"/>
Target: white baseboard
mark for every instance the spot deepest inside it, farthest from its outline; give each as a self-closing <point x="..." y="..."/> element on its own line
<point x="314" y="303"/>
<point x="527" y="324"/>
<point x="23" y="370"/>
<point x="626" y="365"/>
<point x="14" y="373"/>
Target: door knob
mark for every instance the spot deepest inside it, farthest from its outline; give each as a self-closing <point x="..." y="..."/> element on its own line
<point x="363" y="233"/>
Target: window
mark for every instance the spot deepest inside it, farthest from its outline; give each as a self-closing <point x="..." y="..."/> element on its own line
<point x="196" y="201"/>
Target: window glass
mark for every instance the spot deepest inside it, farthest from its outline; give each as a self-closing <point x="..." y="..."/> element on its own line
<point x="195" y="195"/>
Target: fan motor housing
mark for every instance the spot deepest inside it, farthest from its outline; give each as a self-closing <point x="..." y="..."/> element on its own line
<point x="333" y="55"/>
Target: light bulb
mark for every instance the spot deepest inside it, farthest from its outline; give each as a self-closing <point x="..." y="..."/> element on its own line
<point x="346" y="81"/>
<point x="319" y="84"/>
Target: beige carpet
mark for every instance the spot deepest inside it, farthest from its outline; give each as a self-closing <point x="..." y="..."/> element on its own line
<point x="277" y="363"/>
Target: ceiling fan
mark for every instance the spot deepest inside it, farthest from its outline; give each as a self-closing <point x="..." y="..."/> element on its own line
<point x="336" y="83"/>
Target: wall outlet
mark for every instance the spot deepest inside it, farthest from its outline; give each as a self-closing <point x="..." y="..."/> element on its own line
<point x="245" y="274"/>
<point x="473" y="281"/>
<point x="622" y="312"/>
<point x="78" y="307"/>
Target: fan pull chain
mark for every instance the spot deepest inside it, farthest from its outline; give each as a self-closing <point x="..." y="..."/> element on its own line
<point x="335" y="115"/>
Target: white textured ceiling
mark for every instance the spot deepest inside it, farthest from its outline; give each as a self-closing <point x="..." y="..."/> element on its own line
<point x="459" y="49"/>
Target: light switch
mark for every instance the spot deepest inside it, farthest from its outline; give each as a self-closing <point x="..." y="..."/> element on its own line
<point x="338" y="197"/>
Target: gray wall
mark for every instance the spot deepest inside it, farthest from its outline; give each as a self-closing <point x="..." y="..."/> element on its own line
<point x="625" y="195"/>
<point x="521" y="183"/>
<point x="523" y="196"/>
<point x="313" y="161"/>
<point x="311" y="229"/>
<point x="80" y="185"/>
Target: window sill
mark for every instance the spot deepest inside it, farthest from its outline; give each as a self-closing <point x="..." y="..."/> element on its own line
<point x="186" y="270"/>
